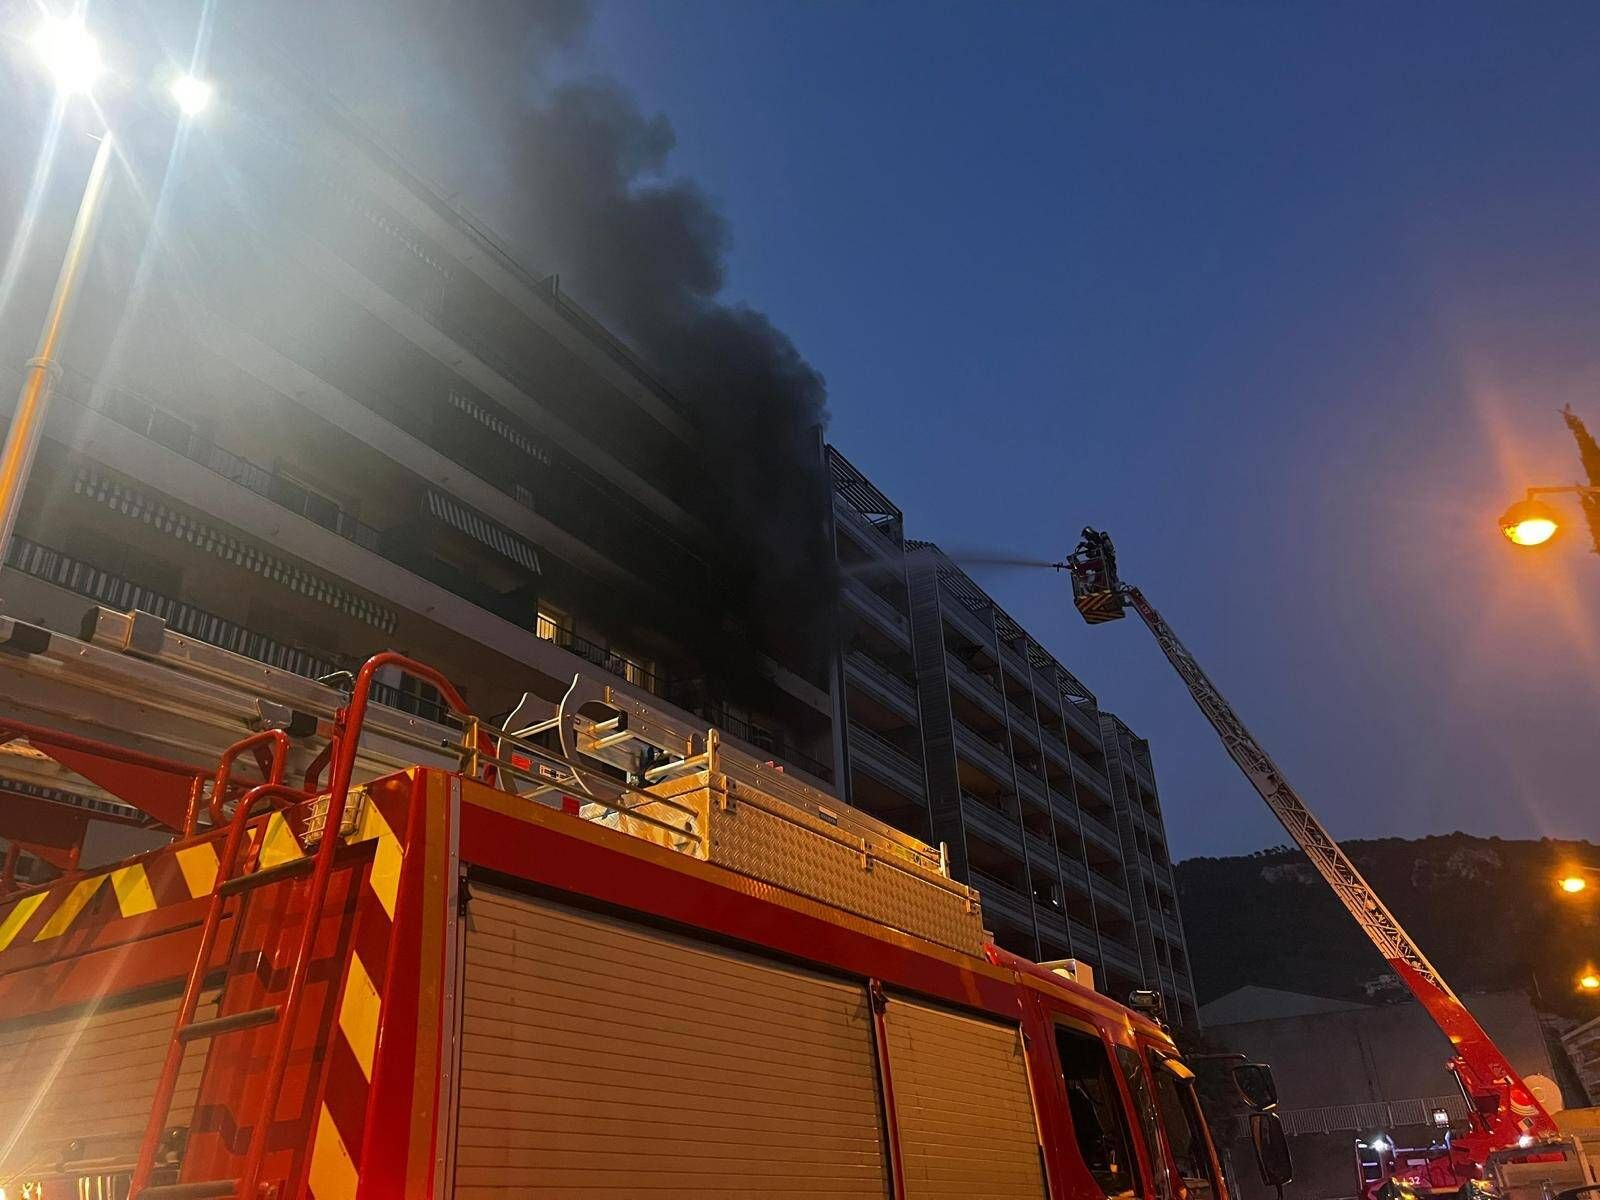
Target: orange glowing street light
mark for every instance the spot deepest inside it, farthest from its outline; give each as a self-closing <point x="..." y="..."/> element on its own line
<point x="1589" y="982"/>
<point x="1531" y="522"/>
<point x="1574" y="878"/>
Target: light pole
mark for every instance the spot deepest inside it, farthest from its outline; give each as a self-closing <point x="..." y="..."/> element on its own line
<point x="1532" y="522"/>
<point x="73" y="57"/>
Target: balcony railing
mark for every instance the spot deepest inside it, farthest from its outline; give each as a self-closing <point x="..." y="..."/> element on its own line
<point x="874" y="676"/>
<point x="894" y="760"/>
<point x="999" y="827"/>
<point x="985" y="753"/>
<point x="134" y="412"/>
<point x="859" y="593"/>
<point x="91" y="582"/>
<point x="1001" y="899"/>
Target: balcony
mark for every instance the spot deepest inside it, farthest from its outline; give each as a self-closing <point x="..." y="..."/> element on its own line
<point x="984" y="754"/>
<point x="887" y="762"/>
<point x="871" y="676"/>
<point x="866" y="532"/>
<point x="975" y="686"/>
<point x="1084" y="942"/>
<point x="1114" y="894"/>
<point x="1001" y="900"/>
<point x="1097" y="830"/>
<point x="1033" y="788"/>
<point x="1056" y="747"/>
<point x="113" y="591"/>
<point x="877" y="611"/>
<point x="1125" y="958"/>
<point x="993" y="825"/>
<point x="1022" y="719"/>
<point x="974" y="625"/>
<point x="133" y="412"/>
<point x="1073" y="872"/>
<point x="1091" y="778"/>
<point x="1042" y="850"/>
<point x="1084" y="719"/>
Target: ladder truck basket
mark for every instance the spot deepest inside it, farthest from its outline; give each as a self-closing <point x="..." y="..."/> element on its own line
<point x="1096" y="591"/>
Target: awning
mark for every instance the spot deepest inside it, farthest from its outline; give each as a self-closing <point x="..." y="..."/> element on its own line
<point x="457" y="515"/>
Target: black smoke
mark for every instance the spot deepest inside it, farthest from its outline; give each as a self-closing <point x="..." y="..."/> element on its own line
<point x="577" y="178"/>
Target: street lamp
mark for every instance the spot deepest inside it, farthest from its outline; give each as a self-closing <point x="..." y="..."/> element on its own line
<point x="1589" y="982"/>
<point x="69" y="53"/>
<point x="1575" y="879"/>
<point x="191" y="93"/>
<point x="1531" y="522"/>
<point x="72" y="56"/>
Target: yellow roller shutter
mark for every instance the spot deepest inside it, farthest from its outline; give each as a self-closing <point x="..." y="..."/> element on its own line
<point x="600" y="1058"/>
<point x="961" y="1098"/>
<point x="90" y="1075"/>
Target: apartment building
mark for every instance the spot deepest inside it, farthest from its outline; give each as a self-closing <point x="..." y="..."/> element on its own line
<point x="959" y="727"/>
<point x="311" y="410"/>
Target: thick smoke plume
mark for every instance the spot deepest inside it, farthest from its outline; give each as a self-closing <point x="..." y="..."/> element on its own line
<point x="575" y="175"/>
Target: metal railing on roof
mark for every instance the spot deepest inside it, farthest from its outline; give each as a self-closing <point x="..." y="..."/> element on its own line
<point x="863" y="496"/>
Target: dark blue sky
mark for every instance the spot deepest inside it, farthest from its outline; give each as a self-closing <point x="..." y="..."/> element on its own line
<point x="1288" y="297"/>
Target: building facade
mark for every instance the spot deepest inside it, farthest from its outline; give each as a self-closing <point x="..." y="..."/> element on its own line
<point x="959" y="727"/>
<point x="310" y="410"/>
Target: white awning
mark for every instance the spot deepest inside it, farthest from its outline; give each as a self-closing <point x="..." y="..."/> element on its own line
<point x="481" y="529"/>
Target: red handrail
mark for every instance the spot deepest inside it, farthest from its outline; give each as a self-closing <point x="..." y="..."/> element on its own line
<point x="279" y="741"/>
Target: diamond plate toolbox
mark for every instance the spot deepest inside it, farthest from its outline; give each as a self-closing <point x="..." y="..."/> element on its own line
<point x="744" y="829"/>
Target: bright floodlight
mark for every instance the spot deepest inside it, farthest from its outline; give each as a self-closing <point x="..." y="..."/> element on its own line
<point x="71" y="55"/>
<point x="1380" y="1144"/>
<point x="1589" y="982"/>
<point x="1529" y="523"/>
<point x="1574" y="883"/>
<point x="192" y="93"/>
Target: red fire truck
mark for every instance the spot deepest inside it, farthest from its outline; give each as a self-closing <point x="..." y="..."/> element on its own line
<point x="587" y="950"/>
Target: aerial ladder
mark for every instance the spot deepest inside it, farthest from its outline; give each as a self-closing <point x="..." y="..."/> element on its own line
<point x="1503" y="1114"/>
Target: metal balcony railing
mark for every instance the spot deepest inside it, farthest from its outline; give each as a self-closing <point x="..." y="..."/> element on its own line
<point x="1093" y="826"/>
<point x="983" y="752"/>
<point x="1084" y="941"/>
<point x="1115" y="893"/>
<point x="113" y="591"/>
<point x="999" y="827"/>
<point x="136" y="413"/>
<point x="892" y="756"/>
<point x="1001" y="899"/>
<point x="860" y="594"/>
<point x="874" y="676"/>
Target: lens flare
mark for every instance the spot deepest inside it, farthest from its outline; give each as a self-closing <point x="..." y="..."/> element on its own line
<point x="69" y="53"/>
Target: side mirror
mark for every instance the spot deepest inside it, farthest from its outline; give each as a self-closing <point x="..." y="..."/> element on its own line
<point x="1256" y="1085"/>
<point x="1272" y="1149"/>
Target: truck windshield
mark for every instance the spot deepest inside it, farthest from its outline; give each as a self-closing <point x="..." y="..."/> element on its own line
<point x="1185" y="1130"/>
<point x="1099" y="1122"/>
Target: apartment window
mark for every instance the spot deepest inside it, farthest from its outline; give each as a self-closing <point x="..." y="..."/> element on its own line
<point x="1186" y="1137"/>
<point x="1099" y="1122"/>
<point x="549" y="625"/>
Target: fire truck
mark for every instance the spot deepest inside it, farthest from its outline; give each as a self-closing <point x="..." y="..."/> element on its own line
<point x="587" y="949"/>
<point x="1508" y="1137"/>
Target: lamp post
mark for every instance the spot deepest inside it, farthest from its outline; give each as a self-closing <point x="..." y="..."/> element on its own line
<point x="1531" y="522"/>
<point x="72" y="56"/>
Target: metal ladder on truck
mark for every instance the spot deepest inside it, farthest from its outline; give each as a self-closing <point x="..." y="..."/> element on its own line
<point x="348" y="724"/>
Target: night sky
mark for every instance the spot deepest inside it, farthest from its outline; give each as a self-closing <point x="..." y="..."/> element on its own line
<point x="1288" y="297"/>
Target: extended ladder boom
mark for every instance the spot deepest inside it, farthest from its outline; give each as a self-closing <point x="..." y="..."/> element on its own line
<point x="1505" y="1111"/>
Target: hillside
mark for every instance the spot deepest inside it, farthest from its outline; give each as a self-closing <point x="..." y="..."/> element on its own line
<point x="1484" y="910"/>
